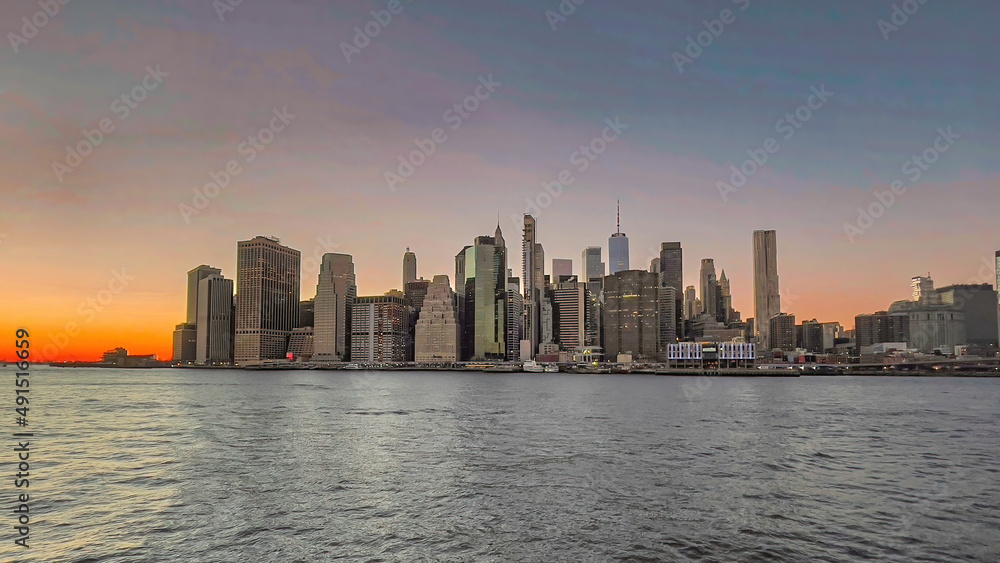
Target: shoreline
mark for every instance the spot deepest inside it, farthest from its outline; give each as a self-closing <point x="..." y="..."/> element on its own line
<point x="844" y="371"/>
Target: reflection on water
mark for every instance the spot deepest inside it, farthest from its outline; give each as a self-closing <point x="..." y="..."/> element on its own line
<point x="218" y="465"/>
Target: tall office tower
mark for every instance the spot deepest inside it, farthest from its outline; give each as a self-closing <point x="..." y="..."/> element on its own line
<point x="194" y="278"/>
<point x="593" y="275"/>
<point x="409" y="267"/>
<point x="186" y="342"/>
<point x="666" y="303"/>
<point x="618" y="248"/>
<point x="593" y="269"/>
<point x="515" y="316"/>
<point x="185" y="333"/>
<point x="267" y="307"/>
<point x="997" y="286"/>
<point x="690" y="299"/>
<point x="378" y="328"/>
<point x="485" y="319"/>
<point x="975" y="302"/>
<point x="335" y="294"/>
<point x="782" y="332"/>
<point x="631" y="316"/>
<point x="709" y="286"/>
<point x="672" y="275"/>
<point x="532" y="289"/>
<point x="726" y="313"/>
<point x="923" y="288"/>
<point x="654" y="266"/>
<point x="570" y="307"/>
<point x="541" y="281"/>
<point x="436" y="333"/>
<point x="461" y="309"/>
<point x="215" y="321"/>
<point x="415" y="291"/>
<point x="307" y="312"/>
<point x="546" y="325"/>
<point x="767" y="299"/>
<point x="812" y="337"/>
<point x="561" y="267"/>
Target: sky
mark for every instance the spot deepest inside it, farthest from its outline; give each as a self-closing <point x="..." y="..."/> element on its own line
<point x="140" y="140"/>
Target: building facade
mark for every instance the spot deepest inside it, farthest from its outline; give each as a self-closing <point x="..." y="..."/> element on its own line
<point x="484" y="318"/>
<point x="409" y="268"/>
<point x="216" y="325"/>
<point x="186" y="342"/>
<point x="378" y="329"/>
<point x="436" y="332"/>
<point x="782" y="332"/>
<point x="267" y="304"/>
<point x="631" y="316"/>
<point x="672" y="275"/>
<point x="336" y="291"/>
<point x="767" y="297"/>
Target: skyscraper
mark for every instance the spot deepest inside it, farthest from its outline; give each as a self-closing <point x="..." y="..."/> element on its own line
<point x="690" y="297"/>
<point x="631" y="316"/>
<point x="336" y="291"/>
<point x="672" y="275"/>
<point x="532" y="289"/>
<point x="782" y="333"/>
<point x="726" y="314"/>
<point x="667" y="313"/>
<point x="767" y="299"/>
<point x="409" y="268"/>
<point x="515" y="316"/>
<point x="709" y="287"/>
<point x="378" y="328"/>
<point x="267" y="305"/>
<point x="460" y="309"/>
<point x="185" y="334"/>
<point x="484" y="323"/>
<point x="215" y="321"/>
<point x="186" y="342"/>
<point x="593" y="275"/>
<point x="436" y="333"/>
<point x="923" y="288"/>
<point x="570" y="307"/>
<point x="618" y="248"/>
<point x="593" y="269"/>
<point x="194" y="278"/>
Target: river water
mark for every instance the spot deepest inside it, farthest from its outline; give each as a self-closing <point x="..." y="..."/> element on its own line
<point x="231" y="465"/>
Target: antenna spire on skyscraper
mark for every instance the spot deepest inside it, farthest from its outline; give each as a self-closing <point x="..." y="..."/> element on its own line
<point x="619" y="216"/>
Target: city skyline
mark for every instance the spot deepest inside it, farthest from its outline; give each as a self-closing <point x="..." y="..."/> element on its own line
<point x="337" y="127"/>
